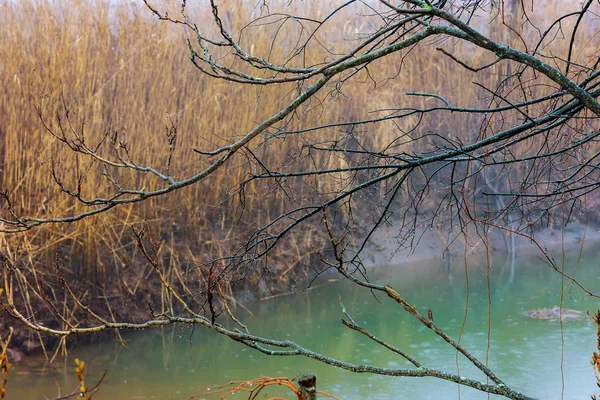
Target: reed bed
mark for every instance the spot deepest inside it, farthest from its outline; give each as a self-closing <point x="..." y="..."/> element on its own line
<point x="122" y="70"/>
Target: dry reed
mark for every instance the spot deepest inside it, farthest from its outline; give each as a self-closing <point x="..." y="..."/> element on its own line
<point x="121" y="70"/>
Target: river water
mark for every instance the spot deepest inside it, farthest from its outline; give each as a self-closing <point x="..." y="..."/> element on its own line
<point x="537" y="357"/>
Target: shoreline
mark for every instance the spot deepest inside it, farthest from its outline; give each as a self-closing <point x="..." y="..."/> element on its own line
<point x="382" y="252"/>
<point x="383" y="248"/>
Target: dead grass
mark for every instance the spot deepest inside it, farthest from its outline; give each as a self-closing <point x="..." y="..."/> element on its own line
<point x="120" y="69"/>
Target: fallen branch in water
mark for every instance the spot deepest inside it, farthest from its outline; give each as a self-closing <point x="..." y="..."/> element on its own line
<point x="255" y="386"/>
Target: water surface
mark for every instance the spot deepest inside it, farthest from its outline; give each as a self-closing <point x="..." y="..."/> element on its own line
<point x="536" y="357"/>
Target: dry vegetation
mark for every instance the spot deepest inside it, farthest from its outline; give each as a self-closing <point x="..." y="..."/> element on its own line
<point x="116" y="68"/>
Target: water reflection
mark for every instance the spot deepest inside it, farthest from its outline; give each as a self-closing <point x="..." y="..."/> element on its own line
<point x="175" y="362"/>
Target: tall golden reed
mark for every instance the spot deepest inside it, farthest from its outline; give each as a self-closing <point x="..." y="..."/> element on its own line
<point x="120" y="69"/>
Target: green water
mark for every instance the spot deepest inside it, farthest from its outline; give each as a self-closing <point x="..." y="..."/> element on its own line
<point x="530" y="355"/>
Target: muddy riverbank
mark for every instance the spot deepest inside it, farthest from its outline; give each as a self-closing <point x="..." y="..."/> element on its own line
<point x="431" y="245"/>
